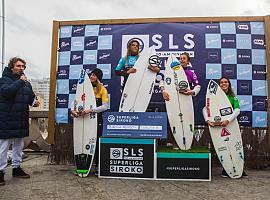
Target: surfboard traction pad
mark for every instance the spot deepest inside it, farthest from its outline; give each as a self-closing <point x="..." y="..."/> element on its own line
<point x="83" y="162"/>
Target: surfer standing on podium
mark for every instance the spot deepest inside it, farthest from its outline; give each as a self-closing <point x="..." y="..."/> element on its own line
<point x="102" y="101"/>
<point x="125" y="64"/>
<point x="192" y="80"/>
<point x="191" y="76"/>
<point x="226" y="86"/>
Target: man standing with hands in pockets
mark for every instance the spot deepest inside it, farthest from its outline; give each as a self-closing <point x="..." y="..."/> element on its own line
<point x="16" y="95"/>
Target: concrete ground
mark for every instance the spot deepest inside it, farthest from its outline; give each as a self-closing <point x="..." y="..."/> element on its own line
<point x="59" y="182"/>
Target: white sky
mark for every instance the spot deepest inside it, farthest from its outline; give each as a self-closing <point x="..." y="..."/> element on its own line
<point x="29" y="22"/>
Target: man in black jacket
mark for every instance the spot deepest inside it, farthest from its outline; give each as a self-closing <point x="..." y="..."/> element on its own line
<point x="16" y="95"/>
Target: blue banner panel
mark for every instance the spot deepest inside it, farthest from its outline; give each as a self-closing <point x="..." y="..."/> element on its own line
<point x="135" y="124"/>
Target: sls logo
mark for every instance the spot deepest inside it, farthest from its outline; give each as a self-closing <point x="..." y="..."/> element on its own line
<point x="111" y="118"/>
<point x="140" y="42"/>
<point x="116" y="153"/>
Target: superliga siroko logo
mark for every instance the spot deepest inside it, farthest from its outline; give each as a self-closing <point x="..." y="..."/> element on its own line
<point x="126" y="160"/>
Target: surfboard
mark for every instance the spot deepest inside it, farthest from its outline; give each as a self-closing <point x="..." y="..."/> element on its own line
<point x="139" y="86"/>
<point x="180" y="107"/>
<point x="84" y="128"/>
<point x="227" y="140"/>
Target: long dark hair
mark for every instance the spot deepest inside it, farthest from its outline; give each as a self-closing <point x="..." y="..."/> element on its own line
<point x="129" y="47"/>
<point x="230" y="90"/>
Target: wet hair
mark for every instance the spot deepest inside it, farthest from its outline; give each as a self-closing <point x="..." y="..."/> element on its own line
<point x="186" y="54"/>
<point x="129" y="47"/>
<point x="230" y="90"/>
<point x="13" y="60"/>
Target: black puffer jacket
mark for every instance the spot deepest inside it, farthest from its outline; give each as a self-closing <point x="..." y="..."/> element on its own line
<point x="15" y="98"/>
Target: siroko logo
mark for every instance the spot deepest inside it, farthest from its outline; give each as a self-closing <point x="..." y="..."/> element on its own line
<point x="111" y="118"/>
<point x="116" y="153"/>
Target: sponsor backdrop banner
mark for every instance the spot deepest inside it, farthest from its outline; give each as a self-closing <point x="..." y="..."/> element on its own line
<point x="121" y="157"/>
<point x="234" y="49"/>
<point x="135" y="124"/>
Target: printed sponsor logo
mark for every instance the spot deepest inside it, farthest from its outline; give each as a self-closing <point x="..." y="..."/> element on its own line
<point x="244" y="119"/>
<point x="77" y="44"/>
<point x="228" y="41"/>
<point x="258" y="42"/>
<point x="140" y="42"/>
<point x="208" y="107"/>
<point x="229" y="56"/>
<point x="242" y="27"/>
<point x="64" y="44"/>
<point x="222" y="149"/>
<point x="63" y="72"/>
<point x="111" y="118"/>
<point x="259" y="72"/>
<point x="229" y="71"/>
<point x="62" y="101"/>
<point x="126" y="160"/>
<point x="244" y="86"/>
<point x="244" y="56"/>
<point x="244" y="102"/>
<point x="75" y="57"/>
<point x="259" y="119"/>
<point x="259" y="88"/>
<point x="260" y="103"/>
<point x="226" y="111"/>
<point x="212" y="41"/>
<point x="104" y="56"/>
<point x="91" y="43"/>
<point x="212" y="26"/>
<point x="65" y="30"/>
<point x="74" y="87"/>
<point x="212" y="71"/>
<point x="244" y="72"/>
<point x="90" y="57"/>
<point x="225" y="132"/>
<point x="116" y="153"/>
<point x="106" y="28"/>
<point x="238" y="146"/>
<point x="213" y="87"/>
<point x="168" y="80"/>
<point x="213" y="55"/>
<point x="217" y="119"/>
<point x="78" y="29"/>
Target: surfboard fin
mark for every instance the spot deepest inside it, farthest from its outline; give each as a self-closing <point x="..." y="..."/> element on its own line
<point x="184" y="140"/>
<point x="174" y="130"/>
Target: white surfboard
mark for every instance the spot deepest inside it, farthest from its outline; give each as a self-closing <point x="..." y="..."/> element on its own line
<point x="139" y="86"/>
<point x="84" y="128"/>
<point x="180" y="107"/>
<point x="227" y="140"/>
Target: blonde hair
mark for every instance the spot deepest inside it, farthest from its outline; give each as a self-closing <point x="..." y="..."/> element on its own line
<point x="97" y="89"/>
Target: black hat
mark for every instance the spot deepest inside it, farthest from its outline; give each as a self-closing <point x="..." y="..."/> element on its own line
<point x="98" y="73"/>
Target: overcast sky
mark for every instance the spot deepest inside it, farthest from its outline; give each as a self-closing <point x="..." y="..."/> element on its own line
<point x="29" y="22"/>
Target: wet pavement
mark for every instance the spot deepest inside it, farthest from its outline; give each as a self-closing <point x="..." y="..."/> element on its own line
<point x="59" y="182"/>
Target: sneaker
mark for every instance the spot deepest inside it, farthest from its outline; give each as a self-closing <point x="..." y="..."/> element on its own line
<point x="2" y="180"/>
<point x="224" y="174"/>
<point x="19" y="173"/>
<point x="244" y="174"/>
